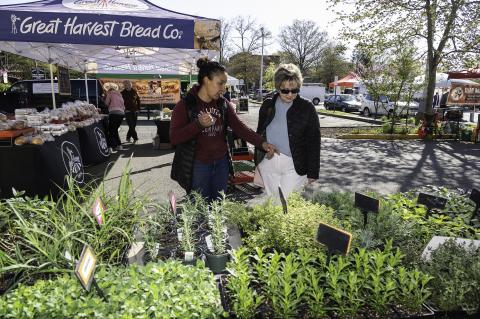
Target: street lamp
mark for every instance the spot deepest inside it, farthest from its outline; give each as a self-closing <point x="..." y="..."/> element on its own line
<point x="260" y="95"/>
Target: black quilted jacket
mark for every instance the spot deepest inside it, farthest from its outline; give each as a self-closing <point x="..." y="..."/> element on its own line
<point x="303" y="132"/>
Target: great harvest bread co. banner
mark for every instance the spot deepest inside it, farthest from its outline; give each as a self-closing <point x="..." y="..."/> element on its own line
<point x="106" y="22"/>
<point x="150" y="91"/>
<point x="464" y="94"/>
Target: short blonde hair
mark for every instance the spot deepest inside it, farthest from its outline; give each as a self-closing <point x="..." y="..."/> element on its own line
<point x="287" y="72"/>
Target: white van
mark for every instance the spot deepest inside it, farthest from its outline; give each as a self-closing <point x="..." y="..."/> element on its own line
<point x="314" y="92"/>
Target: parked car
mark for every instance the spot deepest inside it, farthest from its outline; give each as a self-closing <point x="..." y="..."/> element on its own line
<point x="386" y="107"/>
<point x="265" y="92"/>
<point x="37" y="94"/>
<point x="342" y="102"/>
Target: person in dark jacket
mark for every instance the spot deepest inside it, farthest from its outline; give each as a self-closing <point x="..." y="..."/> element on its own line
<point x="227" y="95"/>
<point x="198" y="129"/>
<point x="291" y="123"/>
<point x="132" y="106"/>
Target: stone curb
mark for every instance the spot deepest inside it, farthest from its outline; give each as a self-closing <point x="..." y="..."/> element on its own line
<point x="353" y="118"/>
<point x="389" y="137"/>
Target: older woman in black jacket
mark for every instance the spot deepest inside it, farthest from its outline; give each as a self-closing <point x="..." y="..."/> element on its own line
<point x="291" y="123"/>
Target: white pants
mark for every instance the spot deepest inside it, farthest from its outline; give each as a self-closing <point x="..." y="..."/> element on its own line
<point x="280" y="171"/>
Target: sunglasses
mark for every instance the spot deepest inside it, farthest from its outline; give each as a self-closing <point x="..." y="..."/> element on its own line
<point x="286" y="91"/>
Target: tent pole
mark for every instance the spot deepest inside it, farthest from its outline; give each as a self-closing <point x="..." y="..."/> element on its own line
<point x="86" y="86"/>
<point x="51" y="79"/>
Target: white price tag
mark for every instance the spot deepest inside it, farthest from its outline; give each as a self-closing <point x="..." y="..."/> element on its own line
<point x="209" y="242"/>
<point x="188" y="255"/>
<point x="179" y="234"/>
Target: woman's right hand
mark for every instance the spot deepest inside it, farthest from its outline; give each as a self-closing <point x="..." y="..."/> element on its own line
<point x="205" y="119"/>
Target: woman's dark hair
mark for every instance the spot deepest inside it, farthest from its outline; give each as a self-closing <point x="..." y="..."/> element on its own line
<point x="208" y="69"/>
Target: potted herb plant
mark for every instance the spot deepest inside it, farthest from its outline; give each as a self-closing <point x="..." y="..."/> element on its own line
<point x="216" y="254"/>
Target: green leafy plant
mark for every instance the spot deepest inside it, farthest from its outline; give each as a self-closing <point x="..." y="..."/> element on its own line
<point x="41" y="237"/>
<point x="268" y="227"/>
<point x="216" y="221"/>
<point x="245" y="300"/>
<point x="455" y="269"/>
<point x="163" y="290"/>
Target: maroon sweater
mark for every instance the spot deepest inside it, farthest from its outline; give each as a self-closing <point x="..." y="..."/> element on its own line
<point x="211" y="144"/>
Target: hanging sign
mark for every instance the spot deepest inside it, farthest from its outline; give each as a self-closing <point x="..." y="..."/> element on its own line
<point x="464" y="94"/>
<point x="104" y="29"/>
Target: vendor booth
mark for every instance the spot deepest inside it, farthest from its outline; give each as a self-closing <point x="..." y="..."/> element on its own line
<point x="108" y="37"/>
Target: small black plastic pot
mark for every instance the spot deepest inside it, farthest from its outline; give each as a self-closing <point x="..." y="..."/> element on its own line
<point x="217" y="263"/>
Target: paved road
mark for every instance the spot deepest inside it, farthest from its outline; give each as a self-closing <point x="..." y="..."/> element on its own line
<point x="354" y="165"/>
<point x="251" y="118"/>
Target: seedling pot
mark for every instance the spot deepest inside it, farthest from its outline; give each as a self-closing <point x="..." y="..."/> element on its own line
<point x="217" y="263"/>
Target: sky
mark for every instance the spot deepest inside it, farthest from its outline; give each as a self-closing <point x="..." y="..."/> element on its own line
<point x="271" y="14"/>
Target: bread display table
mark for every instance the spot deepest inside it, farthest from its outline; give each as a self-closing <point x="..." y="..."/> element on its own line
<point x="41" y="169"/>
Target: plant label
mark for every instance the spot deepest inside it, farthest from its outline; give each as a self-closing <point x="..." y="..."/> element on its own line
<point x="366" y="203"/>
<point x="157" y="249"/>
<point x="173" y="202"/>
<point x="98" y="210"/>
<point x="475" y="196"/>
<point x="68" y="256"/>
<point x="437" y="241"/>
<point x="283" y="200"/>
<point x="209" y="242"/>
<point x="188" y="255"/>
<point x="336" y="240"/>
<point x="179" y="234"/>
<point x="85" y="268"/>
<point x="431" y="201"/>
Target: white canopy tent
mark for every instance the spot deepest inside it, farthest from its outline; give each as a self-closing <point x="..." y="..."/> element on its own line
<point x="106" y="36"/>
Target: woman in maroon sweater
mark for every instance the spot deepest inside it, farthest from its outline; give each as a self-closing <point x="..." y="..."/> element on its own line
<point x="198" y="125"/>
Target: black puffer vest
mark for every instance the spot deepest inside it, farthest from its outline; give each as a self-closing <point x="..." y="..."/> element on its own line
<point x="184" y="158"/>
<point x="303" y="134"/>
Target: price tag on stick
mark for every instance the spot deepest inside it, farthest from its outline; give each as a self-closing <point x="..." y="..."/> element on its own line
<point x="283" y="200"/>
<point x="337" y="240"/>
<point x="98" y="210"/>
<point x="367" y="205"/>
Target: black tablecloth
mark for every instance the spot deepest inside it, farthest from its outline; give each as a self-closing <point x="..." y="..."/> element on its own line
<point x="93" y="143"/>
<point x="163" y="130"/>
<point x="37" y="169"/>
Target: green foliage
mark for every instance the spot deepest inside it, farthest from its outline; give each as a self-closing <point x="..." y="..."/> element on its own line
<point x="302" y="284"/>
<point x="245" y="300"/>
<point x="402" y="220"/>
<point x="269" y="76"/>
<point x="39" y="234"/>
<point x="456" y="275"/>
<point x="267" y="226"/>
<point x="217" y="224"/>
<point x="164" y="290"/>
<point x="4" y="86"/>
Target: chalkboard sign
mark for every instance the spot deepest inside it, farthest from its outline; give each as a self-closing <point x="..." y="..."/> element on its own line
<point x="367" y="205"/>
<point x="283" y="200"/>
<point x="243" y="104"/>
<point x="431" y="201"/>
<point x="64" y="87"/>
<point x="337" y="240"/>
